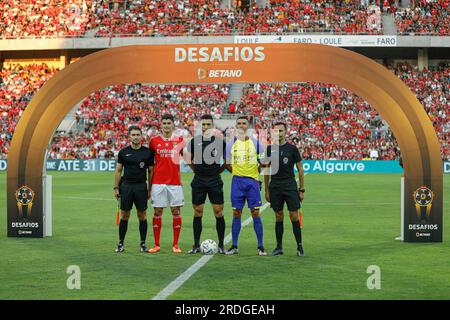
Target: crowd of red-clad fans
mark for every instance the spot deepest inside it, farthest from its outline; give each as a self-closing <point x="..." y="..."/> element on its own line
<point x="17" y="86"/>
<point x="207" y="17"/>
<point x="328" y="122"/>
<point x="105" y="115"/>
<point x="428" y="17"/>
<point x="52" y="18"/>
<point x="23" y="18"/>
<point x="325" y="121"/>
<point x="58" y="18"/>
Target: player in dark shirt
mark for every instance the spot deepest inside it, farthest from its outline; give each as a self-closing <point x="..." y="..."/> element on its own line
<point x="204" y="155"/>
<point x="281" y="157"/>
<point x="135" y="161"/>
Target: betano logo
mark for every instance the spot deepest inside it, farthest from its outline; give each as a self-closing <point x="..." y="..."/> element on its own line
<point x="221" y="73"/>
<point x="202" y="73"/>
<point x="216" y="54"/>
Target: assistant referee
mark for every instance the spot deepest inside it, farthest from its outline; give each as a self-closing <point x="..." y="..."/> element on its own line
<point x="135" y="160"/>
<point x="281" y="157"/>
<point x="205" y="156"/>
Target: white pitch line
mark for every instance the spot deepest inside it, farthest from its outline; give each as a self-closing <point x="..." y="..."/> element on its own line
<point x="182" y="278"/>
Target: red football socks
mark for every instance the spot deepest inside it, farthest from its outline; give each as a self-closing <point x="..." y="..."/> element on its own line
<point x="157" y="224"/>
<point x="176" y="225"/>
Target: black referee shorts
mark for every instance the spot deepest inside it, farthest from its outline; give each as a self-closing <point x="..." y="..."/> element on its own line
<point x="284" y="192"/>
<point x="207" y="185"/>
<point x="136" y="193"/>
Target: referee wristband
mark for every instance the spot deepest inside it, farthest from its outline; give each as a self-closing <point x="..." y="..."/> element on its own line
<point x="115" y="188"/>
<point x="301" y="190"/>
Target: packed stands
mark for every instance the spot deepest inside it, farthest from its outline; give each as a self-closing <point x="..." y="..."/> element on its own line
<point x="45" y="18"/>
<point x="432" y="88"/>
<point x="325" y="121"/>
<point x="156" y="18"/>
<point x="427" y="17"/>
<point x="57" y="18"/>
<point x="329" y="122"/>
<point x="167" y="18"/>
<point x="338" y="17"/>
<point x="105" y="115"/>
<point x="17" y="86"/>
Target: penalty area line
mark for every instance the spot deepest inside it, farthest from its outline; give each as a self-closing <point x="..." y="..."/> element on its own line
<point x="182" y="278"/>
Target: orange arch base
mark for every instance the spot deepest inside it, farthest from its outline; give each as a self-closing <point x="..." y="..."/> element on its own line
<point x="199" y="64"/>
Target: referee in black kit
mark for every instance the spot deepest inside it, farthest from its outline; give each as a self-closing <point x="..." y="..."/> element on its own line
<point x="135" y="160"/>
<point x="204" y="155"/>
<point x="281" y="157"/>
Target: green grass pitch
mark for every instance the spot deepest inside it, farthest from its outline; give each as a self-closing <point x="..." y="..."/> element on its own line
<point x="349" y="223"/>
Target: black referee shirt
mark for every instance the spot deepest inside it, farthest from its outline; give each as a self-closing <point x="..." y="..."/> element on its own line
<point x="135" y="163"/>
<point x="283" y="158"/>
<point x="207" y="155"/>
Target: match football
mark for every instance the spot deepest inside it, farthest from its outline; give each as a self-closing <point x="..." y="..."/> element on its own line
<point x="208" y="247"/>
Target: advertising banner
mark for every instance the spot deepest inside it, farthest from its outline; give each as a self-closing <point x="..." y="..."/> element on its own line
<point x="310" y="166"/>
<point x="331" y="40"/>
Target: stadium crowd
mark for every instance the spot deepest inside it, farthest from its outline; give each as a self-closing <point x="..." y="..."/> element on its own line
<point x="328" y="122"/>
<point x="57" y="18"/>
<point x="17" y="86"/>
<point x="52" y="18"/>
<point x="432" y="88"/>
<point x="208" y="17"/>
<point x="325" y="121"/>
<point x="104" y="116"/>
<point x="427" y="17"/>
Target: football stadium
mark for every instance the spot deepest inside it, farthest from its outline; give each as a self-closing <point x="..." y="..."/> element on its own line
<point x="102" y="193"/>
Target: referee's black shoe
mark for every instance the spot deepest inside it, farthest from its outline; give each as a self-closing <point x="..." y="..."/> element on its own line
<point x="120" y="248"/>
<point x="194" y="250"/>
<point x="143" y="248"/>
<point x="300" y="252"/>
<point x="277" y="251"/>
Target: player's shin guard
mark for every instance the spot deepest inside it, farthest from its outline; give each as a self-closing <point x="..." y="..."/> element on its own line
<point x="235" y="230"/>
<point x="220" y="227"/>
<point x="257" y="226"/>
<point x="123" y="226"/>
<point x="197" y="227"/>
<point x="157" y="224"/>
<point x="176" y="225"/>
<point x="297" y="232"/>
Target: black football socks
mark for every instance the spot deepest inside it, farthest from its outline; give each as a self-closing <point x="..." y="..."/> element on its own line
<point x="297" y="232"/>
<point x="123" y="226"/>
<point x="279" y="229"/>
<point x="197" y="227"/>
<point x="220" y="227"/>
<point x="143" y="231"/>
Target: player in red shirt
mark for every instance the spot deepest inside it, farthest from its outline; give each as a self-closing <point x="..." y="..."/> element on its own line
<point x="166" y="189"/>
